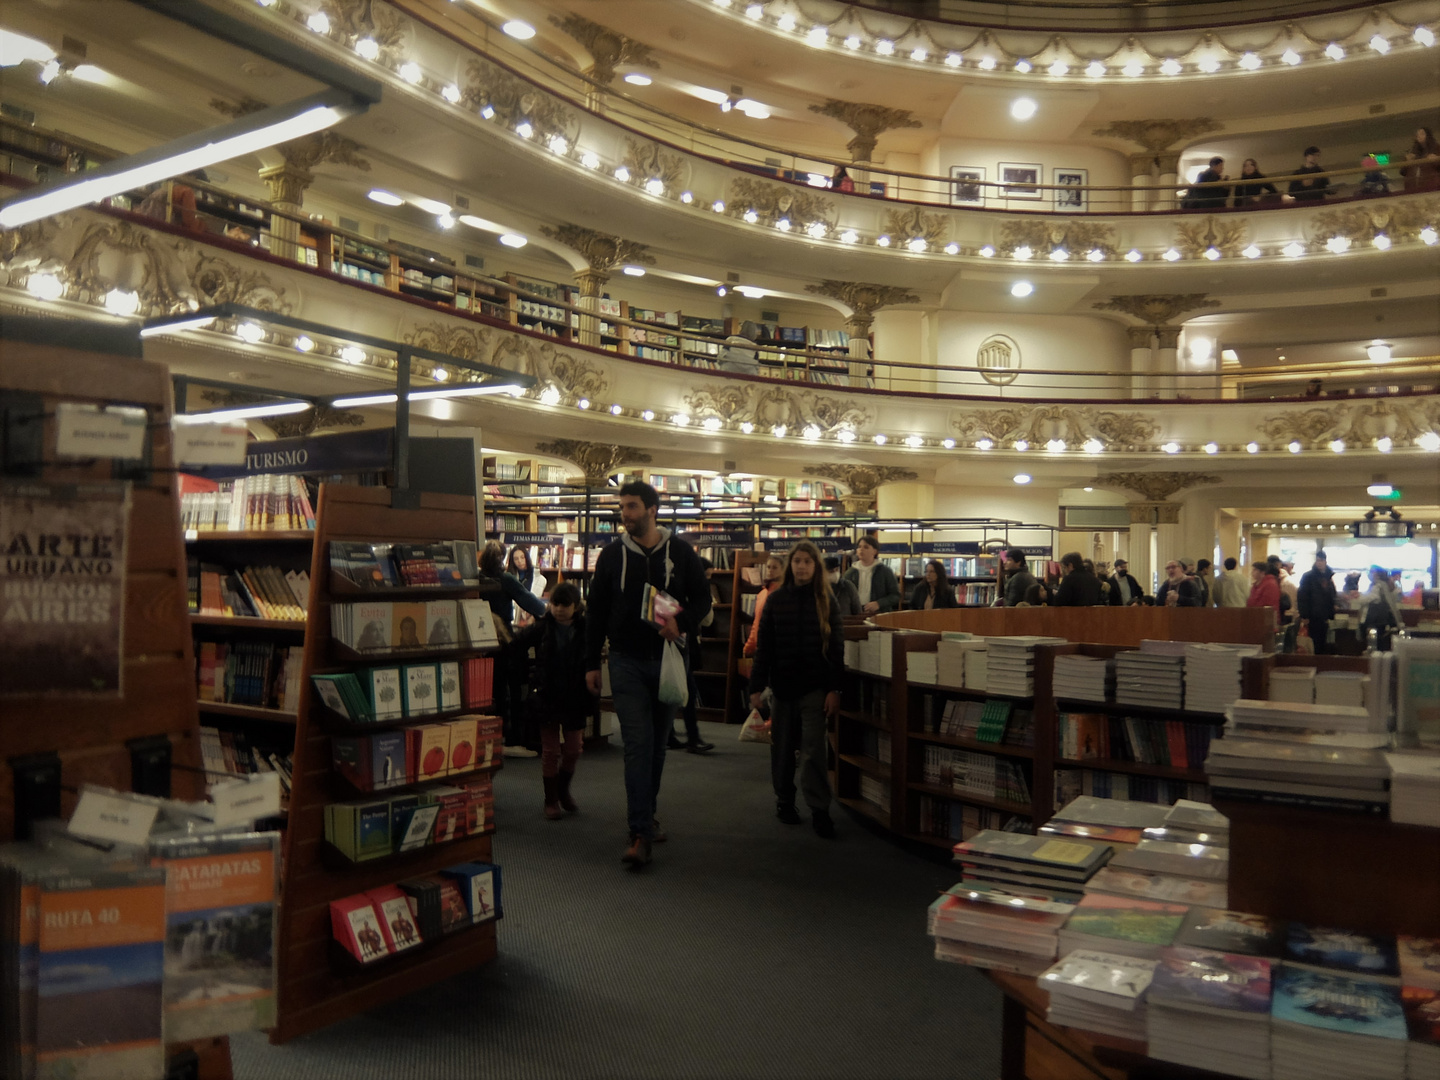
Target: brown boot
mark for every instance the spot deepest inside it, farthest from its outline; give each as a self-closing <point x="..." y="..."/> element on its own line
<point x="552" y="798"/>
<point x="562" y="791"/>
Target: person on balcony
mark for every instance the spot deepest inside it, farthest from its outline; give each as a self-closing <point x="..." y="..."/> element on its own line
<point x="1424" y="172"/>
<point x="1307" y="188"/>
<point x="841" y="181"/>
<point x="1209" y="198"/>
<point x="1251" y="186"/>
<point x="933" y="590"/>
<point x="740" y="356"/>
<point x="873" y="580"/>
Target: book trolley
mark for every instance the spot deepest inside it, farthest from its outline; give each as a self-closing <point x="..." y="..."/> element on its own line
<point x="319" y="981"/>
<point x="146" y="740"/>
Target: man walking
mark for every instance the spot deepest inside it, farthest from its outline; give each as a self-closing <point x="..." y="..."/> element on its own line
<point x="1124" y="589"/>
<point x="1018" y="578"/>
<point x="1315" y="600"/>
<point x="646" y="559"/>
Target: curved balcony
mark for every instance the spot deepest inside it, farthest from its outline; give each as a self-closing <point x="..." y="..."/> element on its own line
<point x="1104" y="14"/>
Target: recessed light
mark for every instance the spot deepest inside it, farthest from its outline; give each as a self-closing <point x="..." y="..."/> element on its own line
<point x="1023" y="108"/>
<point x="519" y="29"/>
<point x="1021" y="289"/>
<point x="1022" y="478"/>
<point x="636" y="79"/>
<point x="635" y="271"/>
<point x="388" y="198"/>
<point x="513" y="240"/>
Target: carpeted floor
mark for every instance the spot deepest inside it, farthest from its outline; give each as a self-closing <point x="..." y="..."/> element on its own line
<point x="748" y="948"/>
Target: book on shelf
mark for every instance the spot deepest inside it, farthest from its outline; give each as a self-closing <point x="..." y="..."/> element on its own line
<point x="381" y="625"/>
<point x="1419" y="959"/>
<point x="975" y="773"/>
<point x="383" y="825"/>
<point x="993" y="928"/>
<point x="875" y="793"/>
<point x="417" y="753"/>
<point x="947" y="819"/>
<point x="245" y="504"/>
<point x="263" y="592"/>
<point x="1123" y="787"/>
<point x="237" y="753"/>
<point x="1169" y="743"/>
<point x="257" y="673"/>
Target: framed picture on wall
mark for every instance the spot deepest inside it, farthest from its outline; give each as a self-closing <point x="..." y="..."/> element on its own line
<point x="1020" y="180"/>
<point x="1070" y="194"/>
<point x="967" y="185"/>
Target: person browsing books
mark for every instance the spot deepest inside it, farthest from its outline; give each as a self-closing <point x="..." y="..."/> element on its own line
<point x="873" y="580"/>
<point x="647" y="559"/>
<point x="774" y="574"/>
<point x="561" y="701"/>
<point x="509" y="664"/>
<point x="934" y="589"/>
<point x="801" y="660"/>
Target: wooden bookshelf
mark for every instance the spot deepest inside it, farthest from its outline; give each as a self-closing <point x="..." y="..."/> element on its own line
<point x="316" y="986"/>
<point x="244" y="622"/>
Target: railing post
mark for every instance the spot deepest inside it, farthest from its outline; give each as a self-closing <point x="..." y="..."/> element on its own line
<point x="1169" y="162"/>
<point x="1142" y="179"/>
<point x="1141" y="338"/>
<point x="1167" y="359"/>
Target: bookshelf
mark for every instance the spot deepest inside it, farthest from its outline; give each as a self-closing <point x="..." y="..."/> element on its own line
<point x="316" y="986"/>
<point x="742" y="611"/>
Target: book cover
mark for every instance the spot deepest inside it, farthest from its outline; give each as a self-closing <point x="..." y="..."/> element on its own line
<point x="1336" y="1002"/>
<point x="431" y="755"/>
<point x="387" y="759"/>
<point x="1342" y="950"/>
<point x="479" y="622"/>
<point x="1422" y="1013"/>
<point x="450" y="699"/>
<point x="462" y="744"/>
<point x="220" y="896"/>
<point x="371" y="625"/>
<point x="413" y="827"/>
<point x="355" y="923"/>
<point x="1419" y="961"/>
<point x="387" y="698"/>
<point x="1207" y="979"/>
<point x="1123" y="978"/>
<point x="1078" y="856"/>
<point x="396" y="923"/>
<point x="100" y="974"/>
<point x="350" y="757"/>
<point x="422" y="694"/>
<point x="1102" y="834"/>
<point x="440" y="623"/>
<point x="453" y="913"/>
<point x="330" y="695"/>
<point x="423" y="895"/>
<point x="409" y="626"/>
<point x="446" y="566"/>
<point x="1231" y="932"/>
<point x="1127" y="919"/>
<point x="480" y="887"/>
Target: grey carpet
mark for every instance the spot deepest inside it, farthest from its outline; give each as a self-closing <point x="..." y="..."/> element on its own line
<point x="748" y="948"/>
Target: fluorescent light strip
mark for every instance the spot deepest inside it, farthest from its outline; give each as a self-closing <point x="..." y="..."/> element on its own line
<point x="244" y="136"/>
<point x="421" y="395"/>
<point x="278" y="408"/>
<point x="179" y="324"/>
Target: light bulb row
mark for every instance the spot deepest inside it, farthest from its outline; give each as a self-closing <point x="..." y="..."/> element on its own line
<point x="1065" y="60"/>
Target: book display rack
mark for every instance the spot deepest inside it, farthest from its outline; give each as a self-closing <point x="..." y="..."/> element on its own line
<point x="142" y="735"/>
<point x="321" y="982"/>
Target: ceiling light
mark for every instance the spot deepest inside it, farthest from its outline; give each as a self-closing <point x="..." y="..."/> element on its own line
<point x="1294" y="447"/>
<point x="1334" y="51"/>
<point x="786" y="22"/>
<point x="1092" y="446"/>
<point x="720" y="290"/>
<point x="687" y="197"/>
<point x="747" y="428"/>
<point x="1055" y="446"/>
<point x="779" y="431"/>
<point x="451" y="93"/>
<point x="47" y="287"/>
<point x="1428" y="235"/>
<point x="583" y="403"/>
<point x="1059" y="254"/>
<point x="410" y="72"/>
<point x="1380" y="491"/>
<point x="525" y="129"/>
<point x="1429" y="442"/>
<point x="1171" y="447"/>
<point x="987" y="63"/>
<point x="589" y="160"/>
<point x="885" y="47"/>
<point x="750" y="291"/>
<point x="1095" y="69"/>
<point x="852" y="42"/>
<point x="319" y="22"/>
<point x="387" y="198"/>
<point x="918" y="55"/>
<point x="616" y="409"/>
<point x="440" y="374"/>
<point x="882" y="241"/>
<point x="948" y="444"/>
<point x="622" y="174"/>
<point x="1252" y="252"/>
<point x="1095" y="255"/>
<point x="1171" y="255"/>
<point x="816" y="230"/>
<point x="1338" y="244"/>
<point x="1380" y="44"/>
<point x="513" y="240"/>
<point x="445" y="221"/>
<point x="519" y="29"/>
<point x="1424" y="35"/>
<point x="1212" y="448"/>
<point x="1022" y="478"/>
<point x="1171" y="66"/>
<point x="1381" y="241"/>
<point x="1378" y="352"/>
<point x="751" y="216"/>
<point x="122" y="302"/>
<point x="1290" y="56"/>
<point x="1337" y="445"/>
<point x="1384" y="444"/>
<point x="881" y="440"/>
<point x="1134" y="69"/>
<point x="487" y="112"/>
<point x="1023" y="108"/>
<point x="1252" y="448"/>
<point x="655" y="186"/>
<point x="783" y="224"/>
<point x="1249" y="61"/>
<point x="845" y="435"/>
<point x="250" y="332"/>
<point x="1058" y="68"/>
<point x="16" y="48"/>
<point x="636" y="79"/>
<point x="1022" y="253"/>
<point x="278" y="408"/>
<point x="1023" y="66"/>
<point x="984" y="444"/>
<point x="647" y="415"/>
<point x="711" y="423"/>
<point x="558" y="144"/>
<point x="1022" y="445"/>
<point x="914" y="442"/>
<point x="368" y="48"/>
<point x="955" y="59"/>
<point x="817" y="36"/>
<point x="1133" y="256"/>
<point x="1294" y="249"/>
<point x="754" y="11"/>
<point x="952" y="249"/>
<point x="753" y="109"/>
<point x="1212" y="253"/>
<point x="718" y="206"/>
<point x="1209" y="65"/>
<point x="916" y="244"/>
<point x="304" y="343"/>
<point x="987" y="252"/>
<point x="680" y="420"/>
<point x="1021" y="289"/>
<point x="634" y="271"/>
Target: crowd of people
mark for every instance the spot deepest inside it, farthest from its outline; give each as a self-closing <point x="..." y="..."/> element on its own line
<point x="1216" y="189"/>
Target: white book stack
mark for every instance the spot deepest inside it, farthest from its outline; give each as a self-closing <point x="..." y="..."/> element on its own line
<point x="1149" y="679"/>
<point x="922" y="667"/>
<point x="950" y="656"/>
<point x="1414" y="788"/>
<point x="977" y="668"/>
<point x="885" y="645"/>
<point x="1011" y="664"/>
<point x="1349" y="688"/>
<point x="1208" y="862"/>
<point x="852" y="655"/>
<point x="1296" y="685"/>
<point x="1099" y="991"/>
<point x="1213" y="673"/>
<point x="1083" y="678"/>
<point x="869" y="653"/>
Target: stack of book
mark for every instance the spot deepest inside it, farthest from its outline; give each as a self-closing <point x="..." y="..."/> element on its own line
<point x="994" y="928"/>
<point x="1150" y="678"/>
<point x="1010" y="668"/>
<point x="1295" y="685"/>
<point x="922" y="668"/>
<point x="950" y="658"/>
<point x="1414" y="788"/>
<point x="1350" y="688"/>
<point x="1099" y="991"/>
<point x="1211" y="1010"/>
<point x="1212" y="674"/>
<point x="1331" y="1026"/>
<point x="1420" y="997"/>
<point x="1046" y="867"/>
<point x="1123" y="925"/>
<point x="1084" y="678"/>
<point x="977" y="668"/>
<point x="1298" y="754"/>
<point x="1192" y="822"/>
<point x="1205" y="862"/>
<point x="1114" y="821"/>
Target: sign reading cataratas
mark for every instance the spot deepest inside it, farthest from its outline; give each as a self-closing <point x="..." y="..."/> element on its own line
<point x="62" y="593"/>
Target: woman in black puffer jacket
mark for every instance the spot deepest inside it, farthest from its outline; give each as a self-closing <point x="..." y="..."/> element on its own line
<point x="800" y="658"/>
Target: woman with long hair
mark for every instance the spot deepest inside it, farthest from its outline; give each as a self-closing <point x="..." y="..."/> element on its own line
<point x="509" y="664"/>
<point x="1423" y="174"/>
<point x="1265" y="587"/>
<point x="933" y="590"/>
<point x="1251" y="184"/>
<point x="801" y="659"/>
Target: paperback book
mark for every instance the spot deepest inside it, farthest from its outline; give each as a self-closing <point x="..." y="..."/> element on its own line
<point x="1231" y="932"/>
<point x="1325" y="948"/>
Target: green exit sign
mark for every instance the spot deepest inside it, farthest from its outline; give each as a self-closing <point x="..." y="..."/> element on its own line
<point x="1393" y="496"/>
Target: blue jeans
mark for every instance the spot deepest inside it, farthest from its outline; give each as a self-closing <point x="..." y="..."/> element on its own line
<point x="645" y="724"/>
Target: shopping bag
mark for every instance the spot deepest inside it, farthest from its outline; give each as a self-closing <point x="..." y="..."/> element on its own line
<point x="755" y="729"/>
<point x="674" y="685"/>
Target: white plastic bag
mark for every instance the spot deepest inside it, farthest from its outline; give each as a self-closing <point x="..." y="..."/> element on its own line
<point x="755" y="729"/>
<point x="674" y="684"/>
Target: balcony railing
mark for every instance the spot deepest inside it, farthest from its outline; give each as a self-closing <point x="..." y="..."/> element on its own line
<point x="1103" y="14"/>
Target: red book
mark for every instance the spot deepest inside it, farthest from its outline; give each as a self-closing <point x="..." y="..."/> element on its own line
<point x="1175" y="729"/>
<point x="396" y="921"/>
<point x="355" y="923"/>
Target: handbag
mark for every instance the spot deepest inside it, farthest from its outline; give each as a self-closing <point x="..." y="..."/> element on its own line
<point x="674" y="682"/>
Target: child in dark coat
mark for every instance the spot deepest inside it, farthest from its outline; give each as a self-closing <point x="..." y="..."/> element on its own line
<point x="561" y="702"/>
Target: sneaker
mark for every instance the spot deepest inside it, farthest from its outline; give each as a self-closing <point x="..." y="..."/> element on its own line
<point x="787" y="813"/>
<point x="638" y="853"/>
<point x="519" y="752"/>
<point x="700" y="747"/>
<point x="824" y="827"/>
<point x="659" y="836"/>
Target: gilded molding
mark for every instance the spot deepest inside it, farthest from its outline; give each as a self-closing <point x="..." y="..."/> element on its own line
<point x="1156" y="487"/>
<point x="1195" y="238"/>
<point x="1158" y="135"/>
<point x="866" y="121"/>
<point x="514" y="99"/>
<point x="862" y="480"/>
<point x="769" y="406"/>
<point x="607" y="48"/>
<point x="1153" y="513"/>
<point x="1075" y="424"/>
<point x="351" y="20"/>
<point x="1357" y="423"/>
<point x="646" y="161"/>
<point x="864" y="298"/>
<point x="601" y="250"/>
<point x="1157" y="309"/>
<point x="596" y="460"/>
<point x="574" y="375"/>
<point x="771" y="202"/>
<point x="463" y="342"/>
<point x="220" y="281"/>
<point x="906" y="225"/>
<point x="1076" y="237"/>
<point x="1399" y="219"/>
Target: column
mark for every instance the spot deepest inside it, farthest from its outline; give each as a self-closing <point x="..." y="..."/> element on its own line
<point x="1167" y="359"/>
<point x="1141" y="349"/>
<point x="592" y="283"/>
<point x="1142" y="518"/>
<point x="287" y="185"/>
<point x="1169" y="163"/>
<point x="858" y="327"/>
<point x="1142" y="179"/>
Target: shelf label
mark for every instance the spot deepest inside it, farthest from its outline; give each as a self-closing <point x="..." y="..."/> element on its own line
<point x="88" y="431"/>
<point x="824" y="543"/>
<point x="735" y="538"/>
<point x="210" y="444"/>
<point x="951" y="547"/>
<point x="548" y="539"/>
<point x="113" y="817"/>
<point x="237" y="802"/>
